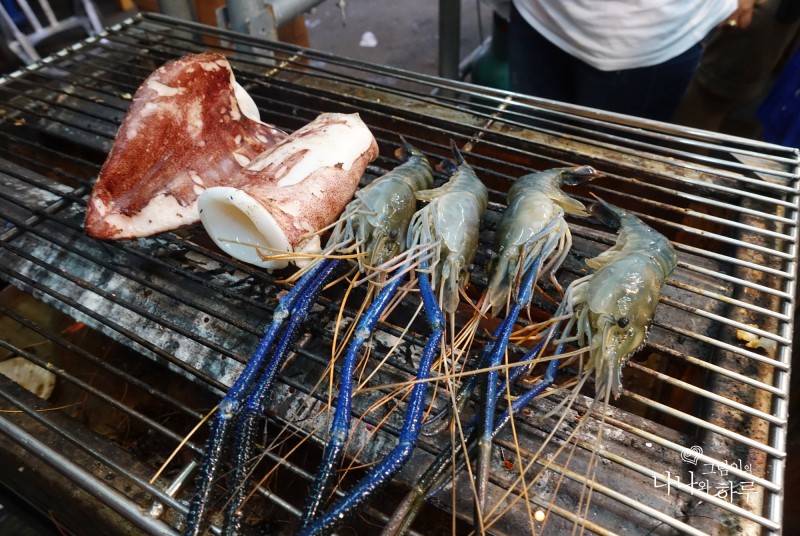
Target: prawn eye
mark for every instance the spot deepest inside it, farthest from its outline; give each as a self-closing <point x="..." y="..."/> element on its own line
<point x="623" y="321"/>
<point x="393" y="234"/>
<point x="470" y="268"/>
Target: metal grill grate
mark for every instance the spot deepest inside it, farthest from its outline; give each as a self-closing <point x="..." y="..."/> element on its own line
<point x="158" y="317"/>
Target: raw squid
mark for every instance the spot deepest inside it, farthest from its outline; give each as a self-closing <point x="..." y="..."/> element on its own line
<point x="190" y="127"/>
<point x="272" y="209"/>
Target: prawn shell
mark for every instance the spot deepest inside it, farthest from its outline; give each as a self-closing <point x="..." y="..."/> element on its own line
<point x="390" y="203"/>
<point x="525" y="218"/>
<point x="286" y="195"/>
<point x="390" y="200"/>
<point x="629" y="288"/>
<point x="532" y="229"/>
<point x="456" y="222"/>
<point x="190" y="127"/>
<point x="452" y="218"/>
<point x="526" y="221"/>
<point x="374" y="225"/>
<point x="549" y="182"/>
<point x="628" y="283"/>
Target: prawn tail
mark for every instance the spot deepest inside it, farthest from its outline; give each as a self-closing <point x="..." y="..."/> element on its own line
<point x="579" y="175"/>
<point x="448" y="166"/>
<point x="406" y="150"/>
<point x="607" y="213"/>
<point x="456" y="153"/>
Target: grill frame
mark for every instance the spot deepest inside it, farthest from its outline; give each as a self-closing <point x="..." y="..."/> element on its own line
<point x="575" y="135"/>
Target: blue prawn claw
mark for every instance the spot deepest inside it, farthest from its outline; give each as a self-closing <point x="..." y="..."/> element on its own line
<point x="372" y="229"/>
<point x="449" y="227"/>
<point x="385" y="470"/>
<point x="295" y="304"/>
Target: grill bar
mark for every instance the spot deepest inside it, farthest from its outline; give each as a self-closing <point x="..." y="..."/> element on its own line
<point x="89" y="313"/>
<point x="97" y="393"/>
<point x="697" y="187"/>
<point x="734" y="280"/>
<point x="564" y="115"/>
<point x="68" y="346"/>
<point x="78" y="475"/>
<point x="733" y="302"/>
<point x="712" y="499"/>
<point x="701" y="457"/>
<point x="622" y="498"/>
<point x="123" y="506"/>
<point x="128" y="274"/>
<point x="733" y="323"/>
<point x="708" y="426"/>
<point x="689" y="387"/>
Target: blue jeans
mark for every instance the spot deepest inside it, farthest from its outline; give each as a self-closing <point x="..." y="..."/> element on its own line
<point x="539" y="68"/>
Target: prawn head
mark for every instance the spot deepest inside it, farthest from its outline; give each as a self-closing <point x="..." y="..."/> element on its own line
<point x="532" y="230"/>
<point x="377" y="220"/>
<point x="619" y="305"/>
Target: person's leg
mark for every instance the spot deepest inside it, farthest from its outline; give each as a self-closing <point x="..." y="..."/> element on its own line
<point x="536" y="66"/>
<point x="650" y="92"/>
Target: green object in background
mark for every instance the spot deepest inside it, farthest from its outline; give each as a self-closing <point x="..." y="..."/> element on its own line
<point x="491" y="63"/>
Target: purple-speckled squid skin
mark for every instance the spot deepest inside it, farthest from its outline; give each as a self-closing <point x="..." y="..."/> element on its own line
<point x="304" y="205"/>
<point x="188" y="128"/>
<point x="271" y="211"/>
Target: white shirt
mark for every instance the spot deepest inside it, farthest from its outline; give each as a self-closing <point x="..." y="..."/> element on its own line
<point x="612" y="35"/>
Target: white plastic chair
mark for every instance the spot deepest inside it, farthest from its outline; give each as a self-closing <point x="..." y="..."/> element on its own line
<point x="22" y="40"/>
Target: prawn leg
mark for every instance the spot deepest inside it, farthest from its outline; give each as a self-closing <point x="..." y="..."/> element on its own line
<point x="477" y="437"/>
<point x="448" y="227"/>
<point x="253" y="408"/>
<point x="532" y="237"/>
<point x="438" y="474"/>
<point x="491" y="352"/>
<point x="495" y="358"/>
<point x="385" y="470"/>
<point x="340" y="425"/>
<point x="237" y="395"/>
<point x="611" y="311"/>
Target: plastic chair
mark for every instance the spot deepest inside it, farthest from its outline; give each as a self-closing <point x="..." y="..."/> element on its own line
<point x="22" y="38"/>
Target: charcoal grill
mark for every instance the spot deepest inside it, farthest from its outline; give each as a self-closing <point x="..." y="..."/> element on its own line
<point x="144" y="336"/>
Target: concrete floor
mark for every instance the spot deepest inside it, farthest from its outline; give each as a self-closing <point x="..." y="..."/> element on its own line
<point x="406" y="31"/>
